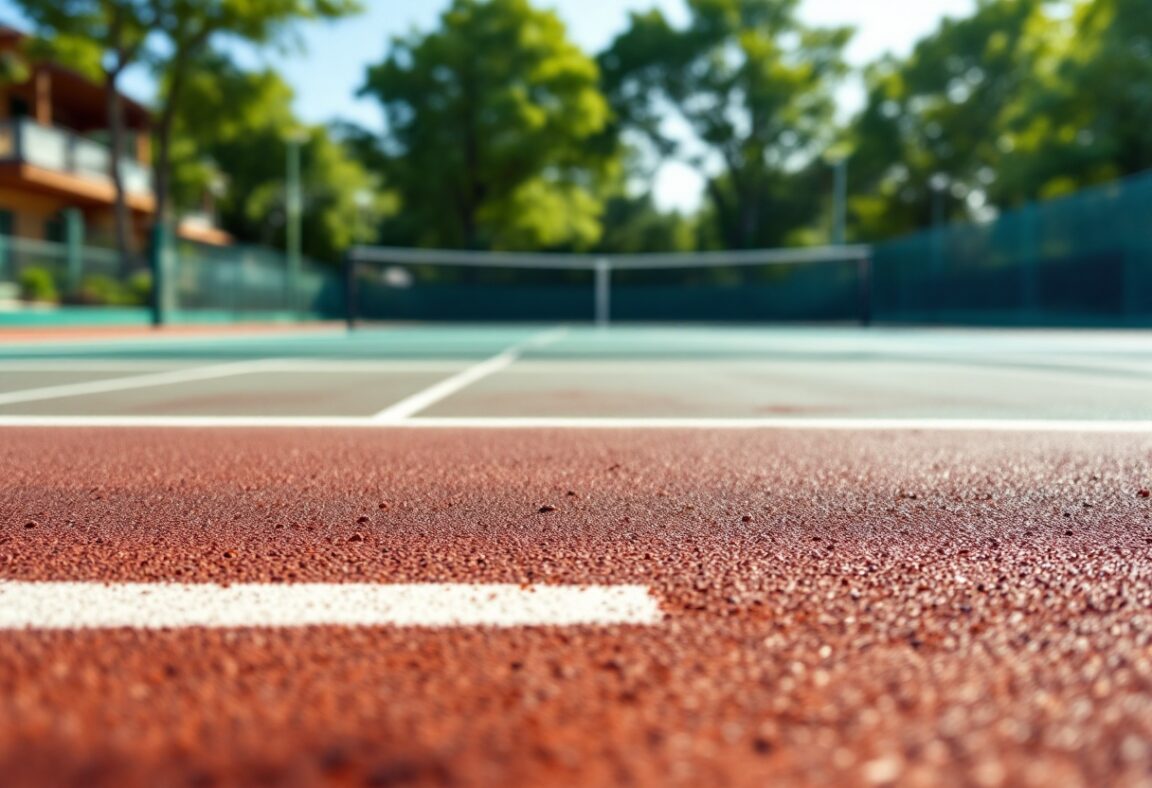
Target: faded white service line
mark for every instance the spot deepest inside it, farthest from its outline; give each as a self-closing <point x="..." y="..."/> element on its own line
<point x="270" y="365"/>
<point x="422" y="400"/>
<point x="35" y="347"/>
<point x="85" y="365"/>
<point x="162" y="605"/>
<point x="132" y="382"/>
<point x="561" y="423"/>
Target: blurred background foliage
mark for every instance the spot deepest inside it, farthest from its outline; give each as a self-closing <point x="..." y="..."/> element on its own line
<point x="500" y="133"/>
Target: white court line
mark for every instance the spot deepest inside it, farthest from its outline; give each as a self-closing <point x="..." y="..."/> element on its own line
<point x="164" y="605"/>
<point x="85" y="365"/>
<point x="1138" y="427"/>
<point x="132" y="382"/>
<point x="162" y="339"/>
<point x="365" y="366"/>
<point x="422" y="400"/>
<point x="273" y="365"/>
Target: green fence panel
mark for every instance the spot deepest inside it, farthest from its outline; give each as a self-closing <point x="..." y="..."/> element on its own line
<point x="1083" y="260"/>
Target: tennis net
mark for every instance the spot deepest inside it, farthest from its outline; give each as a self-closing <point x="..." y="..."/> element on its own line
<point x="818" y="284"/>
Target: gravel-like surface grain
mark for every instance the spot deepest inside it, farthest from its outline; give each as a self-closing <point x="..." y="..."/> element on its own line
<point x="956" y="609"/>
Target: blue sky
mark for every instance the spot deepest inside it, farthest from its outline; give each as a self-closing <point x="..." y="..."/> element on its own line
<point x="332" y="67"/>
<point x="327" y="73"/>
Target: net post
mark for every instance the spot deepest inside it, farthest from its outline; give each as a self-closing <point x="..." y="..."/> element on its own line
<point x="350" y="305"/>
<point x="74" y="249"/>
<point x="159" y="264"/>
<point x="865" y="270"/>
<point x="603" y="292"/>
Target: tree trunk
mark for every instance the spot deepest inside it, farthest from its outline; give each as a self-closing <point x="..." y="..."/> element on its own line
<point x="725" y="221"/>
<point x="115" y="110"/>
<point x="161" y="163"/>
<point x="160" y="175"/>
<point x="163" y="159"/>
<point x="749" y="211"/>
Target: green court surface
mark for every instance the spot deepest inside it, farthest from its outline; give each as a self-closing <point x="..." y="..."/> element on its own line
<point x="562" y="374"/>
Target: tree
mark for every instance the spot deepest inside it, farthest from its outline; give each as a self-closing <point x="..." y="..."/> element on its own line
<point x="108" y="36"/>
<point x="1088" y="118"/>
<point x="634" y="224"/>
<point x="490" y="127"/>
<point x="187" y="29"/>
<point x="170" y="36"/>
<point x="934" y="136"/>
<point x="233" y="131"/>
<point x="752" y="84"/>
<point x="13" y="68"/>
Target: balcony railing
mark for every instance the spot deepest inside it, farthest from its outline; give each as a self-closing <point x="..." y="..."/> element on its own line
<point x="65" y="151"/>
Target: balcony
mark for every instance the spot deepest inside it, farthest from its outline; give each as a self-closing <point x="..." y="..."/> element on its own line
<point x="60" y="151"/>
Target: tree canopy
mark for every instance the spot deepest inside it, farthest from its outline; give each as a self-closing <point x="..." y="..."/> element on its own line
<point x="933" y="135"/>
<point x="755" y="87"/>
<point x="489" y="124"/>
<point x="499" y="132"/>
<point x="233" y="139"/>
<point x="1089" y="115"/>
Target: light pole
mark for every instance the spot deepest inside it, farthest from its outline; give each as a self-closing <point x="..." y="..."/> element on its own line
<point x="294" y="204"/>
<point x="939" y="183"/>
<point x="836" y="156"/>
<point x="840" y="201"/>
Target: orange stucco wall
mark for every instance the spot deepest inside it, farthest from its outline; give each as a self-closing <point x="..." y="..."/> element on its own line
<point x="32" y="211"/>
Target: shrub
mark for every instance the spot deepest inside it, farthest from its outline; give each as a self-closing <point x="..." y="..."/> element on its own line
<point x="98" y="290"/>
<point x="37" y="284"/>
<point x="102" y="290"/>
<point x="140" y="288"/>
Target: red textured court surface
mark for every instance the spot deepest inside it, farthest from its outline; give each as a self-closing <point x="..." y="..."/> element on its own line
<point x="960" y="600"/>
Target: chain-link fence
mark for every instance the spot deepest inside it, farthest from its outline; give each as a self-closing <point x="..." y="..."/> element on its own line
<point x="250" y="281"/>
<point x="1083" y="260"/>
<point x="229" y="282"/>
<point x="43" y="274"/>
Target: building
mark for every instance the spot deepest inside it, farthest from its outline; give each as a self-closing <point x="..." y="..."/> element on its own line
<point x="55" y="158"/>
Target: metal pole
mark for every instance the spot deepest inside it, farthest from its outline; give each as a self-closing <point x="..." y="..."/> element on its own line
<point x="1029" y="298"/>
<point x="350" y="305"/>
<point x="158" y="262"/>
<point x="840" y="203"/>
<point x="603" y="292"/>
<point x="294" y="206"/>
<point x="74" y="238"/>
<point x="865" y="273"/>
<point x="939" y="182"/>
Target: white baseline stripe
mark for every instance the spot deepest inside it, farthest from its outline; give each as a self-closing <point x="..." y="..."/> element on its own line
<point x="161" y="605"/>
<point x="85" y="365"/>
<point x="269" y="365"/>
<point x="551" y="423"/>
<point x="422" y="400"/>
<point x="366" y="366"/>
<point x="16" y="347"/>
<point x="132" y="382"/>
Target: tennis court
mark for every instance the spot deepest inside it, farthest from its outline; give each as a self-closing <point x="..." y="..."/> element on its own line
<point x="564" y="554"/>
<point x="557" y="375"/>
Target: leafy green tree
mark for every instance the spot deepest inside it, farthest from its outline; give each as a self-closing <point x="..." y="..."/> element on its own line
<point x="491" y="121"/>
<point x="634" y="225"/>
<point x="1090" y="116"/>
<point x="185" y="31"/>
<point x="754" y="87"/>
<point x="171" y="36"/>
<point x="13" y="68"/>
<point x="934" y="135"/>
<point x="232" y="138"/>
